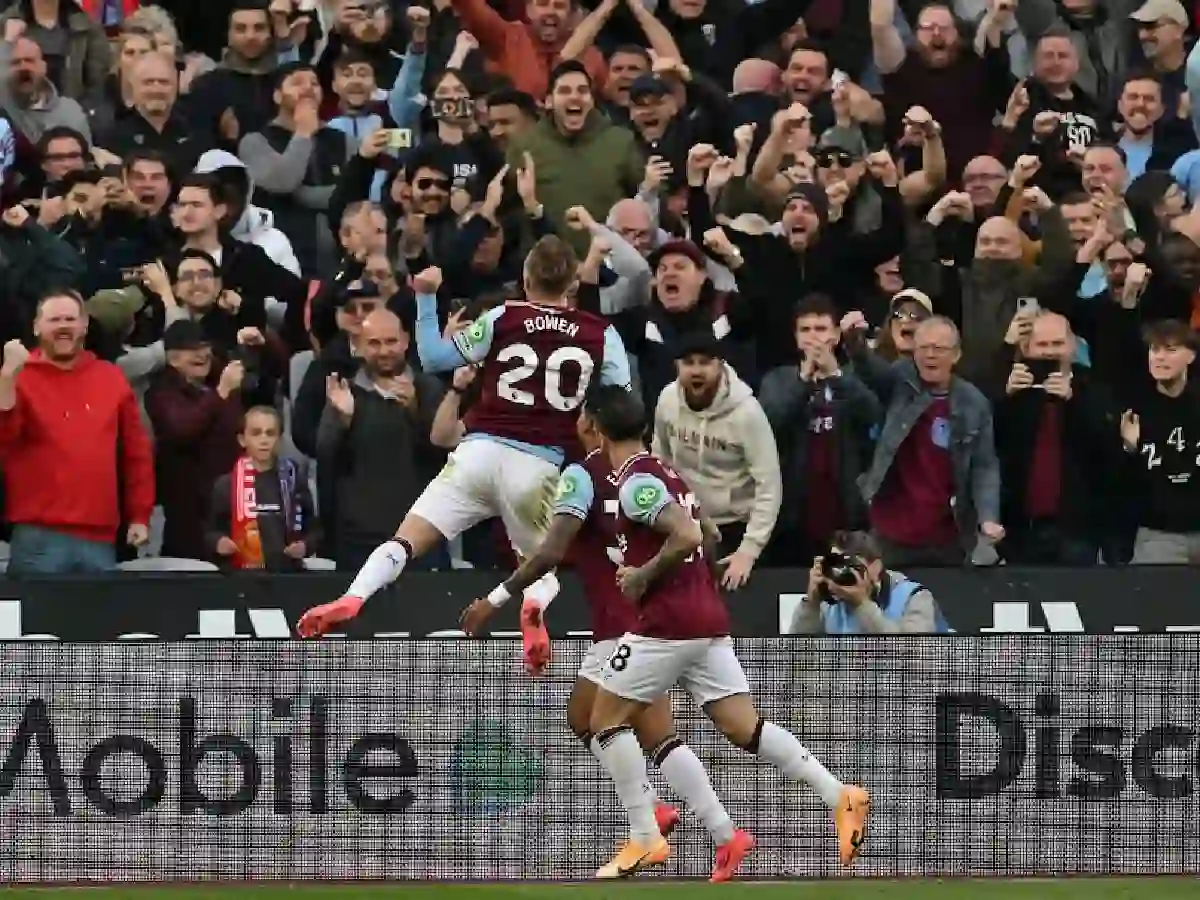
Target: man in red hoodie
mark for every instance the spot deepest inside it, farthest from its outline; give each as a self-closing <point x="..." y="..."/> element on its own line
<point x="71" y="440"/>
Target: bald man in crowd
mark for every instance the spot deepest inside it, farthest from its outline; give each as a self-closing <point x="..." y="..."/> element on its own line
<point x="373" y="449"/>
<point x="1000" y="291"/>
<point x="1051" y="427"/>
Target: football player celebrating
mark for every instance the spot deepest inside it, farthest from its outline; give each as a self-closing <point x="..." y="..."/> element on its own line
<point x="682" y="637"/>
<point x="582" y="529"/>
<point x="536" y="358"/>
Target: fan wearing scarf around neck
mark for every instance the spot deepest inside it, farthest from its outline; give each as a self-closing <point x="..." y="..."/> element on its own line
<point x="263" y="516"/>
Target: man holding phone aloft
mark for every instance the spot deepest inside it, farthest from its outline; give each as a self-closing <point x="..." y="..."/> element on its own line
<point x="1051" y="428"/>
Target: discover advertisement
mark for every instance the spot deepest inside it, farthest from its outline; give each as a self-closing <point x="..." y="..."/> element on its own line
<point x="997" y="755"/>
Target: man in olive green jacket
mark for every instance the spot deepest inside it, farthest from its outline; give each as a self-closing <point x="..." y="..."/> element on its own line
<point x="580" y="158"/>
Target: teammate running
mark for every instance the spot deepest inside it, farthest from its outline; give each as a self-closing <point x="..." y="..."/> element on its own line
<point x="583" y="529"/>
<point x="682" y="636"/>
<point x="537" y="358"/>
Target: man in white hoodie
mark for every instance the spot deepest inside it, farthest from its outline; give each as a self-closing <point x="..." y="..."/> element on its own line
<point x="251" y="224"/>
<point x="709" y="427"/>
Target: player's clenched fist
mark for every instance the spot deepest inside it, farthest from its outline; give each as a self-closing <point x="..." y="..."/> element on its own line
<point x="428" y="281"/>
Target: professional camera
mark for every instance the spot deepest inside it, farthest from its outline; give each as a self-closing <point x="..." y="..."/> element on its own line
<point x="842" y="568"/>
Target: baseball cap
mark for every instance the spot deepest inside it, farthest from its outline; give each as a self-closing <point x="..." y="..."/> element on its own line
<point x="700" y="343"/>
<point x="185" y="334"/>
<point x="911" y="295"/>
<point x="648" y="86"/>
<point x="115" y="309"/>
<point x="1157" y="10"/>
<point x="679" y="248"/>
<point x="844" y="140"/>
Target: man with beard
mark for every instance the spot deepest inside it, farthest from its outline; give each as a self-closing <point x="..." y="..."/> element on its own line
<point x="813" y="248"/>
<point x="373" y="449"/>
<point x="933" y="488"/>
<point x="961" y="88"/>
<point x="1150" y="138"/>
<point x="1052" y="426"/>
<point x="295" y="164"/>
<point x="65" y="412"/>
<point x="996" y="279"/>
<point x="683" y="302"/>
<point x="822" y="418"/>
<point x="581" y="159"/>
<point x="236" y="97"/>
<point x="710" y="429"/>
<point x="511" y="113"/>
<point x="528" y="51"/>
<point x="28" y="97"/>
<point x="1159" y="435"/>
<point x="1161" y="28"/>
<point x="155" y="122"/>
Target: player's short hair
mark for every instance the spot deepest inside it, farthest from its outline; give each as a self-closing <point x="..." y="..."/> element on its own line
<point x="618" y="413"/>
<point x="551" y="266"/>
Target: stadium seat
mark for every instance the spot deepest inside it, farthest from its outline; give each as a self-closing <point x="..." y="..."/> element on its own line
<point x="166" y="564"/>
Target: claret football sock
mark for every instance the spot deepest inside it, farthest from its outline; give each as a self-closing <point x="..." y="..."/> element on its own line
<point x="621" y="756"/>
<point x="780" y="748"/>
<point x="382" y="567"/>
<point x="688" y="778"/>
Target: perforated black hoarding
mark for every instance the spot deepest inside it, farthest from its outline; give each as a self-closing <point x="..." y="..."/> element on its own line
<point x="416" y="759"/>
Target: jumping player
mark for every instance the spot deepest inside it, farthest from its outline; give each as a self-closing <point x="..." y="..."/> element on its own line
<point x="537" y="358"/>
<point x="682" y="636"/>
<point x="584" y="524"/>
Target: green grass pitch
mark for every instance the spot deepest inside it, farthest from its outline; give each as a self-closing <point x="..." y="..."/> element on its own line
<point x="647" y="889"/>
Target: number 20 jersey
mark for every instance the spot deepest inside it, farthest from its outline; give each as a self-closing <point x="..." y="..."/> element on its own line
<point x="537" y="363"/>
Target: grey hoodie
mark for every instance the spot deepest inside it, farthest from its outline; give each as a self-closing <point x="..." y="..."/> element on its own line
<point x="727" y="454"/>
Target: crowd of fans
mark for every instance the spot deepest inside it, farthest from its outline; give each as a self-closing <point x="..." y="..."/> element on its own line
<point x="928" y="270"/>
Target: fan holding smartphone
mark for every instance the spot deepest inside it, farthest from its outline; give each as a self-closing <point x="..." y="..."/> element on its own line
<point x="1045" y="358"/>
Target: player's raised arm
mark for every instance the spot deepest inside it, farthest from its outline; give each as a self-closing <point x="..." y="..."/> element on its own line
<point x="644" y="498"/>
<point x="572" y="504"/>
<point x="615" y="367"/>
<point x="440" y="354"/>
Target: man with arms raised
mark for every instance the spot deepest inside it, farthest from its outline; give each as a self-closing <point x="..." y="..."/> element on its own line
<point x="537" y="358"/>
<point x="682" y="637"/>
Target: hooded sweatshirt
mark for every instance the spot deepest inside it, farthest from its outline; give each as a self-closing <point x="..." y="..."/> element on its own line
<point x="727" y="453"/>
<point x="256" y="225"/>
<point x="77" y="458"/>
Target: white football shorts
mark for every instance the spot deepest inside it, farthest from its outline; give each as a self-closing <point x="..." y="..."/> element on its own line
<point x="485" y="478"/>
<point x="592" y="667"/>
<point x="643" y="668"/>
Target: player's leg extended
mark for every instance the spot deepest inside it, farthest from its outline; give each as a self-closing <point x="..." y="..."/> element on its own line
<point x="737" y="718"/>
<point x="579" y="719"/>
<point x="524" y="489"/>
<point x="637" y="673"/>
<point x="449" y="505"/>
<point x="687" y="776"/>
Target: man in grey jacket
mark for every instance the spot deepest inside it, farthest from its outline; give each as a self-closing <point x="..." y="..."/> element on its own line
<point x="934" y="485"/>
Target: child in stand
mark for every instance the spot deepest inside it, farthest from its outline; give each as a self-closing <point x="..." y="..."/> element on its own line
<point x="262" y="512"/>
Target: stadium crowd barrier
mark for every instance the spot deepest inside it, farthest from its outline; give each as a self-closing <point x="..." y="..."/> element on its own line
<point x="181" y="606"/>
<point x="987" y="755"/>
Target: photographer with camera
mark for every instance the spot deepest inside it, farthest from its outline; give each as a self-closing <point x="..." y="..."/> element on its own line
<point x="850" y="592"/>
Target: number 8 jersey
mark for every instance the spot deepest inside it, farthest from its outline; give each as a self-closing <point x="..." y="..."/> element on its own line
<point x="536" y="365"/>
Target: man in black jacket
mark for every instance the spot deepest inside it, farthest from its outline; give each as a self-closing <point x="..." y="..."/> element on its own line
<point x="1054" y="439"/>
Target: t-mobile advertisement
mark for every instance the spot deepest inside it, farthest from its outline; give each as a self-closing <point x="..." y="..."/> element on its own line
<point x="1005" y="755"/>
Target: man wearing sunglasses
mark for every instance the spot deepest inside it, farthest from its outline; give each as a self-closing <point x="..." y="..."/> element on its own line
<point x="840" y="157"/>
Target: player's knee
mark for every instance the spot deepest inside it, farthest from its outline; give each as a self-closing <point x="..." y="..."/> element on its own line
<point x="744" y="734"/>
